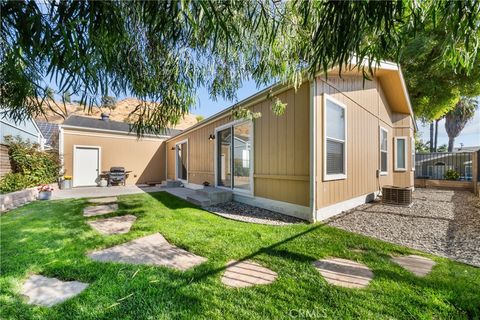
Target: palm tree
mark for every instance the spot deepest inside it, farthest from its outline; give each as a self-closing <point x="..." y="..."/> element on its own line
<point x="457" y="118"/>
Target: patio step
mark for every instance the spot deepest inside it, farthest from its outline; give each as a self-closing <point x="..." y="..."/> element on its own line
<point x="215" y="195"/>
<point x="171" y="184"/>
<point x="199" y="200"/>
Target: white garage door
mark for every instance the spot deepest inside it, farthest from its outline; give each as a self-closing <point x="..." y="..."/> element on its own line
<point x="86" y="166"/>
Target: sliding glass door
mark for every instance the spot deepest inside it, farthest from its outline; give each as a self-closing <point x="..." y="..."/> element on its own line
<point x="234" y="154"/>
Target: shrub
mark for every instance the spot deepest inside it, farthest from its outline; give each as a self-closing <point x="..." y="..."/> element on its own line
<point x="451" y="175"/>
<point x="30" y="166"/>
<point x="13" y="182"/>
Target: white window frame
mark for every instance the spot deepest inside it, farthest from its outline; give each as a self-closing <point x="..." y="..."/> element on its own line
<point x="234" y="124"/>
<point x="396" y="167"/>
<point x="412" y="158"/>
<point x="336" y="176"/>
<point x="382" y="173"/>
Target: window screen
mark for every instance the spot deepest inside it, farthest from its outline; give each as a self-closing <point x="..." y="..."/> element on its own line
<point x="335" y="135"/>
<point x="400" y="156"/>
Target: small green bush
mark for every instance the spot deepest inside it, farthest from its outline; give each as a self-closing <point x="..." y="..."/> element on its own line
<point x="451" y="174"/>
<point x="30" y="166"/>
<point x="13" y="182"/>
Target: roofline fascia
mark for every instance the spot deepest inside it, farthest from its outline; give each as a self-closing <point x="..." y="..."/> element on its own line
<point x="66" y="126"/>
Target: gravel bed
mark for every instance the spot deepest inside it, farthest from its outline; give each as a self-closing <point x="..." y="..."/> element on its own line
<point x="246" y="213"/>
<point x="441" y="222"/>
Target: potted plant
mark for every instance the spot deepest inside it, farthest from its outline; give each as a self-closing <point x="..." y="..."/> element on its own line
<point x="44" y="192"/>
<point x="67" y="182"/>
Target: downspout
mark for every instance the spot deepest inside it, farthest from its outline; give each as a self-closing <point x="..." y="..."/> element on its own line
<point x="61" y="150"/>
<point x="313" y="149"/>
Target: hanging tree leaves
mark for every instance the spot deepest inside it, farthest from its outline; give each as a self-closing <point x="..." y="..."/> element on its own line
<point x="161" y="52"/>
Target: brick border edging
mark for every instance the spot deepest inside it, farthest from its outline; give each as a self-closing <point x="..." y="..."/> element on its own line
<point x="16" y="199"/>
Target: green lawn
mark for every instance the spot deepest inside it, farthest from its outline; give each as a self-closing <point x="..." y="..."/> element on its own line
<point x="51" y="238"/>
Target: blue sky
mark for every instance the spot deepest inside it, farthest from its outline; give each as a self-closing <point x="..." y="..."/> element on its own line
<point x="470" y="136"/>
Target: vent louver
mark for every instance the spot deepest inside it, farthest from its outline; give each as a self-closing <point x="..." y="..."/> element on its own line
<point x="396" y="195"/>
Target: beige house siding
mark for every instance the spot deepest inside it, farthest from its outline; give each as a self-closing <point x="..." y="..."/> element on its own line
<point x="144" y="157"/>
<point x="367" y="110"/>
<point x="281" y="150"/>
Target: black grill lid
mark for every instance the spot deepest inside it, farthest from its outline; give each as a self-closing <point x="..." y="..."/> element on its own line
<point x="117" y="169"/>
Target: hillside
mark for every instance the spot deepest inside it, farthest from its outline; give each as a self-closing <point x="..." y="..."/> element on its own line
<point x="121" y="112"/>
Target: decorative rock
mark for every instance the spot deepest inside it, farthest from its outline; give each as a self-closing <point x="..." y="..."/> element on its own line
<point x="241" y="274"/>
<point x="47" y="292"/>
<point x="103" y="200"/>
<point x="419" y="266"/>
<point x="99" y="210"/>
<point x="115" y="225"/>
<point x="149" y="250"/>
<point x="345" y="273"/>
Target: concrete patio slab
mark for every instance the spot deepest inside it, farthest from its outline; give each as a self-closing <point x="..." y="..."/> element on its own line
<point x="344" y="273"/>
<point x="93" y="211"/>
<point x="240" y="274"/>
<point x="103" y="200"/>
<point x="115" y="225"/>
<point x="47" y="292"/>
<point x="94" y="192"/>
<point x="419" y="266"/>
<point x="149" y="250"/>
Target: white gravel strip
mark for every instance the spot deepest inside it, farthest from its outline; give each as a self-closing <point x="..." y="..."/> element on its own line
<point x="246" y="213"/>
<point x="442" y="222"/>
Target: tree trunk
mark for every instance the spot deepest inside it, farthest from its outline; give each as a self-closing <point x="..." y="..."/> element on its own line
<point x="436" y="136"/>
<point x="431" y="136"/>
<point x="450" y="144"/>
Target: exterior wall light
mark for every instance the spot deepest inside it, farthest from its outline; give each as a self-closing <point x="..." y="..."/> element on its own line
<point x="211" y="137"/>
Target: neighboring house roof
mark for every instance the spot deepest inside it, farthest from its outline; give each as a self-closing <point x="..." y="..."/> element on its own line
<point x="389" y="74"/>
<point x="467" y="149"/>
<point x="108" y="125"/>
<point x="49" y="132"/>
<point x="26" y="129"/>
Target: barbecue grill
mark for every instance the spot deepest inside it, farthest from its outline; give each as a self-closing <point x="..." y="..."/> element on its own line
<point x="117" y="175"/>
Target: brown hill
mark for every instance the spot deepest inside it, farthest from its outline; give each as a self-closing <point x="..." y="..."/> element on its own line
<point x="121" y="113"/>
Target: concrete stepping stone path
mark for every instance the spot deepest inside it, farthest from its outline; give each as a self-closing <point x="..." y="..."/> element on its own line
<point x="93" y="211"/>
<point x="240" y="274"/>
<point x="103" y="200"/>
<point x="419" y="266"/>
<point x="115" y="225"/>
<point x="344" y="273"/>
<point x="47" y="292"/>
<point x="149" y="250"/>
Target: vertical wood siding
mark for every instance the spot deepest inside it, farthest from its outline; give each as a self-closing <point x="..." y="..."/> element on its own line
<point x="281" y="150"/>
<point x="367" y="110"/>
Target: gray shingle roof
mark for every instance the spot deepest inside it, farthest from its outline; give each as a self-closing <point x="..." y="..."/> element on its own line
<point x="86" y="122"/>
<point x="49" y="132"/>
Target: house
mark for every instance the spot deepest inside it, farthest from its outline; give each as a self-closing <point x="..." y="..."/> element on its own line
<point x="89" y="146"/>
<point x="339" y="141"/>
<point x="26" y="130"/>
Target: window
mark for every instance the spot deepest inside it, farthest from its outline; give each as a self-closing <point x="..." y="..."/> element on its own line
<point x="335" y="133"/>
<point x="412" y="147"/>
<point x="400" y="153"/>
<point x="383" y="151"/>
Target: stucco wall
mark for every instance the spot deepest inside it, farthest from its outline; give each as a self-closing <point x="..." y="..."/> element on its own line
<point x="144" y="157"/>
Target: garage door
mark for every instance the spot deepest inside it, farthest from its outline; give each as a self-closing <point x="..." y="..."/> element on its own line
<point x="86" y="166"/>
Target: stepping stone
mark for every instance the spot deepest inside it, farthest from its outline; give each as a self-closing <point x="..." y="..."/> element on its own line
<point x="115" y="225"/>
<point x="419" y="266"/>
<point x="93" y="211"/>
<point x="149" y="250"/>
<point x="103" y="200"/>
<point x="240" y="274"/>
<point x="47" y="292"/>
<point x="344" y="273"/>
